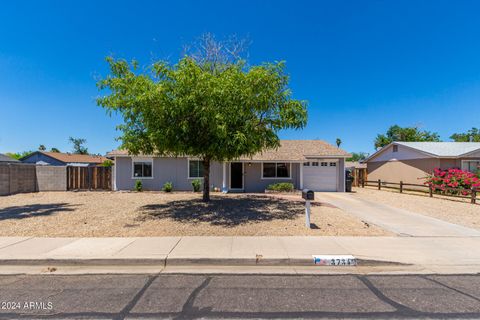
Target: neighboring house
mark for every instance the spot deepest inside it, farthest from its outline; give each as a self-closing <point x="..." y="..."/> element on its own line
<point x="7" y="159"/>
<point x="410" y="162"/>
<point x="63" y="159"/>
<point x="355" y="165"/>
<point x="312" y="164"/>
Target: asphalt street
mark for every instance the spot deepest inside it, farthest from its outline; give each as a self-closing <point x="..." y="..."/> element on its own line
<point x="238" y="296"/>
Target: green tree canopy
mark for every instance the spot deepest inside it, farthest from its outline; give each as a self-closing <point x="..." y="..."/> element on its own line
<point x="42" y="147"/>
<point x="338" y="141"/>
<point x="472" y="135"/>
<point x="54" y="150"/>
<point x="78" y="145"/>
<point x="214" y="112"/>
<point x="358" y="156"/>
<point x="397" y="133"/>
<point x="18" y="155"/>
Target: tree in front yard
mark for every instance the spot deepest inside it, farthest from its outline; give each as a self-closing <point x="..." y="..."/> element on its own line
<point x="210" y="105"/>
<point x="411" y="134"/>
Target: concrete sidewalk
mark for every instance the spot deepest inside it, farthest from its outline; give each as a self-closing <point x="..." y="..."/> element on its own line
<point x="399" y="221"/>
<point x="426" y="253"/>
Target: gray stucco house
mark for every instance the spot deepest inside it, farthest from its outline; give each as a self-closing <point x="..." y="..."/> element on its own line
<point x="312" y="164"/>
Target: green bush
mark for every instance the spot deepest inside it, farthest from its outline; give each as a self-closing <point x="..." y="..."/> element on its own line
<point x="168" y="187"/>
<point x="107" y="163"/>
<point x="281" y="186"/>
<point x="138" y="186"/>
<point x="196" y="184"/>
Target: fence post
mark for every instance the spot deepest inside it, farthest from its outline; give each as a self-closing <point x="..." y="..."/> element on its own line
<point x="363" y="183"/>
<point x="474" y="195"/>
<point x="401" y="186"/>
<point x="430" y="191"/>
<point x="379" y="184"/>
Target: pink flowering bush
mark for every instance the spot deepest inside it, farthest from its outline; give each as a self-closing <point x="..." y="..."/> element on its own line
<point x="454" y="181"/>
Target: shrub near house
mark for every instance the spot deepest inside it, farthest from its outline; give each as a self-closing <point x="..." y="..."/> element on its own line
<point x="452" y="181"/>
<point x="281" y="187"/>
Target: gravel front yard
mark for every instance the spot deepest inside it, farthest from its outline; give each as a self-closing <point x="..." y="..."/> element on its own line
<point x="125" y="214"/>
<point x="454" y="210"/>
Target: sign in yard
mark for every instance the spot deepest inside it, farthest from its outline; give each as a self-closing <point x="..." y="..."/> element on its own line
<point x="334" y="260"/>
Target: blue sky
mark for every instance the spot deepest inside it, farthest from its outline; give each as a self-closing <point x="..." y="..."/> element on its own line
<point x="362" y="65"/>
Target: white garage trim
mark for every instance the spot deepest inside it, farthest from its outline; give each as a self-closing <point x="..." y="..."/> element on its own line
<point x="323" y="176"/>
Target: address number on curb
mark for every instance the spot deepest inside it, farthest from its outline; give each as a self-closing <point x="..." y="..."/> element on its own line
<point x="334" y="260"/>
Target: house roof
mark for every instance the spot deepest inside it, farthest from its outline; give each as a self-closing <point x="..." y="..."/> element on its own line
<point x="355" y="164"/>
<point x="289" y="150"/>
<point x="437" y="149"/>
<point x="72" y="158"/>
<point x="5" y="158"/>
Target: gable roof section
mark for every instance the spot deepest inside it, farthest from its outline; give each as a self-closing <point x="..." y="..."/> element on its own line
<point x="444" y="149"/>
<point x="436" y="149"/>
<point x="289" y="150"/>
<point x="71" y="157"/>
<point x="5" y="158"/>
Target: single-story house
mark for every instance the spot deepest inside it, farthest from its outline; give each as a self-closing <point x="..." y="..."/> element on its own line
<point x="410" y="162"/>
<point x="63" y="159"/>
<point x="6" y="159"/>
<point x="312" y="164"/>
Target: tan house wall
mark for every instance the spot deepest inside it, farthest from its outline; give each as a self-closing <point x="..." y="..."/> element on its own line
<point x="408" y="171"/>
<point x="450" y="163"/>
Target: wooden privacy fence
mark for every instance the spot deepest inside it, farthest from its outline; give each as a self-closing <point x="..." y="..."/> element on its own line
<point x="401" y="186"/>
<point x="89" y="178"/>
<point x="359" y="174"/>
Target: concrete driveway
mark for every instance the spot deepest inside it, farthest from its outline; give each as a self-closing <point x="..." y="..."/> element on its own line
<point x="399" y="221"/>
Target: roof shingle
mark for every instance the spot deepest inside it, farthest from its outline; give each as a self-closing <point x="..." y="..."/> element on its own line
<point x="289" y="150"/>
<point x="75" y="158"/>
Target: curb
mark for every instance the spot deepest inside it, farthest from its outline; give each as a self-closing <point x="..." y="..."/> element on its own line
<point x="177" y="262"/>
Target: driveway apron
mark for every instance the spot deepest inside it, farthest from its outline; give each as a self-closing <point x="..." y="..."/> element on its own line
<point x="399" y="221"/>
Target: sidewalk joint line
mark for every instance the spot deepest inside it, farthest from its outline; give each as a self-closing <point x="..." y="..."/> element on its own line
<point x="12" y="244"/>
<point x="124" y="247"/>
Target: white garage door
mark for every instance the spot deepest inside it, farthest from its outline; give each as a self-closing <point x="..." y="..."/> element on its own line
<point x="321" y="175"/>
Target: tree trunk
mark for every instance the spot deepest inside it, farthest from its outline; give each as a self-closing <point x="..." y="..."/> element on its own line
<point x="206" y="179"/>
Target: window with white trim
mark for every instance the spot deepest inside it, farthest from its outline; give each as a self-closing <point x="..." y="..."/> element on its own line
<point x="324" y="164"/>
<point x="195" y="169"/>
<point x="315" y="164"/>
<point x="276" y="170"/>
<point x="471" y="165"/>
<point x="142" y="169"/>
<point x="333" y="164"/>
<point x="306" y="164"/>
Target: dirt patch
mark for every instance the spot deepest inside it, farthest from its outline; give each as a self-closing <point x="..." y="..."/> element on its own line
<point x="124" y="214"/>
<point x="454" y="210"/>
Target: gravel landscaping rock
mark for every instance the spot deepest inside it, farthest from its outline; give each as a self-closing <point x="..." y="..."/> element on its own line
<point x="132" y="214"/>
<point x="454" y="210"/>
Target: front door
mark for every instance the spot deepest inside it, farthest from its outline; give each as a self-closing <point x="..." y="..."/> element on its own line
<point x="236" y="175"/>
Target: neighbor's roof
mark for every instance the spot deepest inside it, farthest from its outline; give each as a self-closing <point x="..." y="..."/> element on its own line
<point x="289" y="150"/>
<point x="443" y="149"/>
<point x="72" y="158"/>
<point x="355" y="164"/>
<point x="437" y="149"/>
<point x="5" y="158"/>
